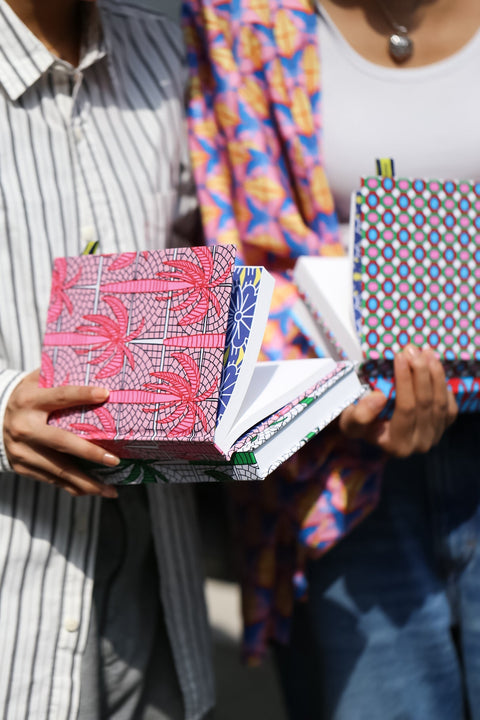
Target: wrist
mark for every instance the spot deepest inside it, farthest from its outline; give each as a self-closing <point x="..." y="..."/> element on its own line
<point x="9" y="379"/>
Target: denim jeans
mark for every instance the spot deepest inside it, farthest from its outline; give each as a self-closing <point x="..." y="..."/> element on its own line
<point x="391" y="630"/>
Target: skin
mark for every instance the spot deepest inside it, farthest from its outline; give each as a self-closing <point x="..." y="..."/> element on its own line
<point x="424" y="408"/>
<point x="33" y="447"/>
<point x="55" y="22"/>
<point x="46" y="453"/>
<point x="438" y="28"/>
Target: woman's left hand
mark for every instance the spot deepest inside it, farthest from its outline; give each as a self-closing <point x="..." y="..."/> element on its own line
<point x="424" y="407"/>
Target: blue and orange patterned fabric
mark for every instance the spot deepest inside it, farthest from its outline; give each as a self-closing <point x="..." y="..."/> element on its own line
<point x="255" y="129"/>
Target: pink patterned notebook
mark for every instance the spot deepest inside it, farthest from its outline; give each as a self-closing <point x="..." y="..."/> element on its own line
<point x="151" y="327"/>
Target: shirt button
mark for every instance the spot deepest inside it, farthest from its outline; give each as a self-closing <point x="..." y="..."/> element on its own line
<point x="77" y="133"/>
<point x="87" y="234"/>
<point x="71" y="624"/>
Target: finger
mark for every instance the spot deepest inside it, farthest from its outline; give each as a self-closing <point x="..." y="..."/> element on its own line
<point x="48" y="466"/>
<point x="355" y="420"/>
<point x="425" y="428"/>
<point x="420" y="366"/>
<point x="67" y="396"/>
<point x="51" y="480"/>
<point x="402" y="425"/>
<point x="440" y="402"/>
<point x="67" y="442"/>
<point x="452" y="411"/>
<point x="48" y="479"/>
<point x="59" y="440"/>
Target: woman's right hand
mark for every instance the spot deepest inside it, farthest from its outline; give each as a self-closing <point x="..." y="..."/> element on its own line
<point x="48" y="453"/>
<point x="424" y="407"/>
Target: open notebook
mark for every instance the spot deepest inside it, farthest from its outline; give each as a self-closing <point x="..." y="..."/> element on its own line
<point x="175" y="336"/>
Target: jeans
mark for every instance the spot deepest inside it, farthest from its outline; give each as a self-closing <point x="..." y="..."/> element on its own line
<point x="391" y="630"/>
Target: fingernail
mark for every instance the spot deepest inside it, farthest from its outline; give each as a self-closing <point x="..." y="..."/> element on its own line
<point x="375" y="401"/>
<point x="431" y="354"/>
<point x="412" y="351"/>
<point x="109" y="491"/>
<point x="109" y="459"/>
<point x="100" y="394"/>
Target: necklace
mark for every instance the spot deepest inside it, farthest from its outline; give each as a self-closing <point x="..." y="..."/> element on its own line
<point x="400" y="44"/>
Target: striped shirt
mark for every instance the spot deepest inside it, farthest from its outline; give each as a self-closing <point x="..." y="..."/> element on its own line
<point x="93" y="152"/>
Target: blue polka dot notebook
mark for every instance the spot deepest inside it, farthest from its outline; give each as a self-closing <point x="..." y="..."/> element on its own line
<point x="416" y="276"/>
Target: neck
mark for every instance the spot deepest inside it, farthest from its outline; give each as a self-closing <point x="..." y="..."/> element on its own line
<point x="401" y="12"/>
<point x="56" y="23"/>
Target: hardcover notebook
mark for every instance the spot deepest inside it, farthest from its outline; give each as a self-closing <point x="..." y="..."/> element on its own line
<point x="413" y="277"/>
<point x="175" y="336"/>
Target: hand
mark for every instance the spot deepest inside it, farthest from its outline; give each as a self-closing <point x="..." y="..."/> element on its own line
<point x="424" y="407"/>
<point x="47" y="453"/>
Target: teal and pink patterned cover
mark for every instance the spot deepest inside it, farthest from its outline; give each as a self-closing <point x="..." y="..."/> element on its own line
<point x="150" y="326"/>
<point x="416" y="277"/>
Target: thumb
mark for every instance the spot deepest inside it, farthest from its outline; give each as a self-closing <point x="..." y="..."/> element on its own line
<point x="355" y="421"/>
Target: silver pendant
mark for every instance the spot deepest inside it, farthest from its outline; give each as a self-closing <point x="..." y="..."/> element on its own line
<point x="400" y="47"/>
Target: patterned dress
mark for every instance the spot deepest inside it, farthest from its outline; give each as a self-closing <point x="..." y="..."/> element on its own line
<point x="255" y="131"/>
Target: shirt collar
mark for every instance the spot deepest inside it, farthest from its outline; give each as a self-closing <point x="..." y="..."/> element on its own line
<point x="24" y="58"/>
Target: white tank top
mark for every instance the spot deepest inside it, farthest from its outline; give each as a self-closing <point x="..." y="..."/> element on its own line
<point x="427" y="119"/>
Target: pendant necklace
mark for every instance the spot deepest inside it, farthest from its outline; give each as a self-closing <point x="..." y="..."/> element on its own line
<point x="400" y="44"/>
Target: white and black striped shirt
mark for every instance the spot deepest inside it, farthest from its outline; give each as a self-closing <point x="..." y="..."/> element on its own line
<point x="88" y="153"/>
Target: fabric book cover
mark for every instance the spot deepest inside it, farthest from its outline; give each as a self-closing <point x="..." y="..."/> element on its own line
<point x="151" y="328"/>
<point x="414" y="275"/>
<point x="266" y="445"/>
<point x="175" y="336"/>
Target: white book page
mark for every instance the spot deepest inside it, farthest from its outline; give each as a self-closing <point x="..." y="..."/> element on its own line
<point x="349" y="228"/>
<point x="321" y="412"/>
<point x="250" y="353"/>
<point x="273" y="385"/>
<point x="310" y="328"/>
<point x="327" y="284"/>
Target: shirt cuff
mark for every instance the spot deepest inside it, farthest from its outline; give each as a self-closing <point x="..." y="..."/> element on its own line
<point x="9" y="380"/>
